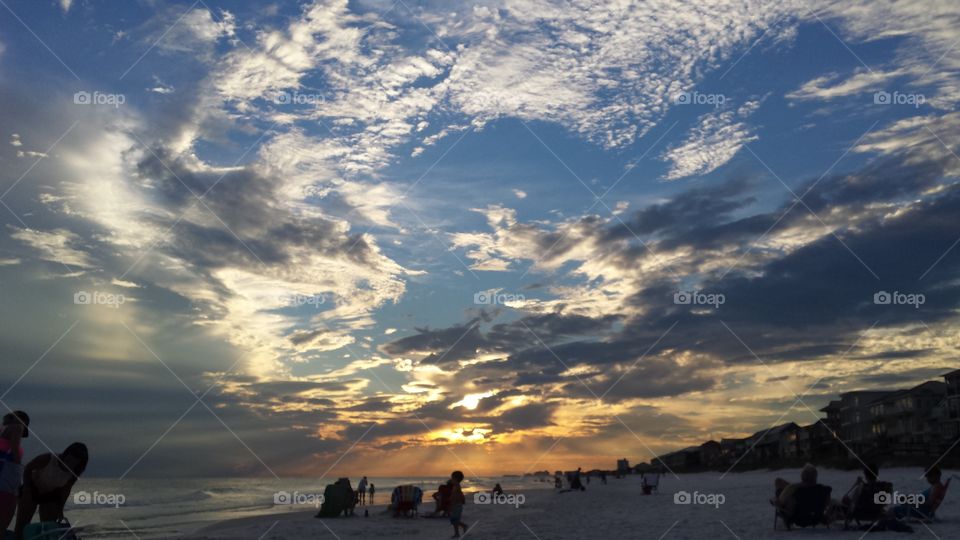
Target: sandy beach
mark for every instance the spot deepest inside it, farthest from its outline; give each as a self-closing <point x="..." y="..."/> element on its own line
<point x="738" y="509"/>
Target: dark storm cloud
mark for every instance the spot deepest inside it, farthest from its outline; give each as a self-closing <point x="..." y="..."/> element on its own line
<point x="246" y="224"/>
<point x="811" y="302"/>
<point x="464" y="342"/>
<point x="690" y="211"/>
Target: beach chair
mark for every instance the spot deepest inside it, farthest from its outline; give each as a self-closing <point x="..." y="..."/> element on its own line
<point x="650" y="482"/>
<point x="338" y="498"/>
<point x="866" y="509"/>
<point x="406" y="500"/>
<point x="809" y="510"/>
<point x="931" y="511"/>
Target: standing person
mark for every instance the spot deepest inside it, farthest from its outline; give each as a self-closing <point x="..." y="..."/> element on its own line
<point x="11" y="464"/>
<point x="372" y="489"/>
<point x="456" y="504"/>
<point x="362" y="490"/>
<point x="47" y="482"/>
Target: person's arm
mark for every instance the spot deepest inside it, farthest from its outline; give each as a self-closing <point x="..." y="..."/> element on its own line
<point x="14" y="434"/>
<point x="63" y="495"/>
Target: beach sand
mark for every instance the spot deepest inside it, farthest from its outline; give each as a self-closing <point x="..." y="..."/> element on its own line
<point x="615" y="510"/>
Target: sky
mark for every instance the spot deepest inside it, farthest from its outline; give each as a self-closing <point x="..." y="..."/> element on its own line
<point x="396" y="237"/>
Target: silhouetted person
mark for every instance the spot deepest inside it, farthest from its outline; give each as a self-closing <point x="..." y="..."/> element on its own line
<point x="47" y="482"/>
<point x="15" y="428"/>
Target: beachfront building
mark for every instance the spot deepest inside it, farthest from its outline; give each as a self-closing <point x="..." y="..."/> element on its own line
<point x="904" y="423"/>
<point x="950" y="410"/>
<point x="707" y="455"/>
<point x="832" y="413"/>
<point x="710" y="454"/>
<point x="856" y="420"/>
<point x="623" y="466"/>
<point x="732" y="449"/>
<point x="775" y="444"/>
<point x="818" y="442"/>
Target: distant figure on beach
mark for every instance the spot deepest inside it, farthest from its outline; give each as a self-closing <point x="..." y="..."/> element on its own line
<point x="457" y="501"/>
<point x="558" y="480"/>
<point x="442" y="498"/>
<point x="15" y="428"/>
<point x="47" y="482"/>
<point x="576" y="483"/>
<point x="371" y="490"/>
<point x="497" y="490"/>
<point x="603" y="477"/>
<point x="362" y="490"/>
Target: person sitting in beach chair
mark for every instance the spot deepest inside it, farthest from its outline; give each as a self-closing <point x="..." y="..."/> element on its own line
<point x="932" y="498"/>
<point x="864" y="505"/>
<point x="804" y="504"/>
<point x="338" y="498"/>
<point x="650" y="482"/>
<point x="405" y="500"/>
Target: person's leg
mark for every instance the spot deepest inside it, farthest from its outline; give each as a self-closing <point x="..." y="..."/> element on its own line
<point x="49" y="510"/>
<point x="25" y="510"/>
<point x="8" y="509"/>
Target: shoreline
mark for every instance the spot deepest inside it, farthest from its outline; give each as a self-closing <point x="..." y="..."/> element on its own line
<point x="612" y="509"/>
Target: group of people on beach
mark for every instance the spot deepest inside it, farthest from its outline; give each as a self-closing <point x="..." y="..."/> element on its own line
<point x="43" y="484"/>
<point x="365" y="488"/>
<point x="870" y="500"/>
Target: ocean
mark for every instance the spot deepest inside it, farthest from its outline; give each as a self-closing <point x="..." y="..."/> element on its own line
<point x="152" y="508"/>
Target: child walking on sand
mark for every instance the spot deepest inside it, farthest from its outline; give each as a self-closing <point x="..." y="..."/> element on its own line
<point x="457" y="500"/>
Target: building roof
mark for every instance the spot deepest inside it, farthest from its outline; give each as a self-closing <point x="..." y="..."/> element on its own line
<point x="936" y="388"/>
<point x="954" y="373"/>
<point x="775" y="431"/>
<point x="834" y="405"/>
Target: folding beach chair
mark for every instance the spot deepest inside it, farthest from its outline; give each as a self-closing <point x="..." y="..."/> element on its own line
<point x="866" y="509"/>
<point x="934" y="505"/>
<point x="406" y="500"/>
<point x="650" y="482"/>
<point x="809" y="510"/>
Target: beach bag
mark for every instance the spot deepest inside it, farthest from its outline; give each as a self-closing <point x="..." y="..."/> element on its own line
<point x="50" y="530"/>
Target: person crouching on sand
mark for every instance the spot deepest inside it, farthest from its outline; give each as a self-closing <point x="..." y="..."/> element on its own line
<point x="456" y="504"/>
<point x="47" y="482"/>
